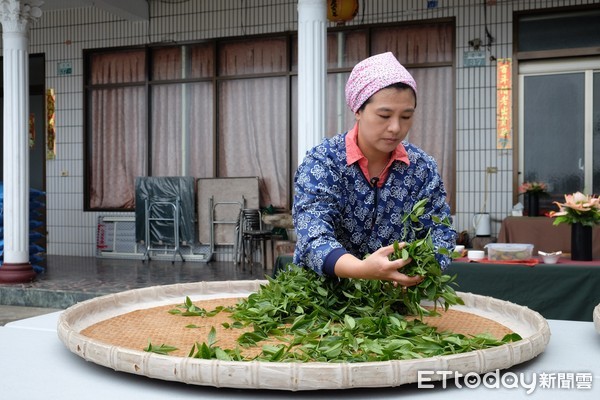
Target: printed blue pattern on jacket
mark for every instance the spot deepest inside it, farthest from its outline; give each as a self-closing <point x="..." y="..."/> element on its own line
<point x="334" y="204"/>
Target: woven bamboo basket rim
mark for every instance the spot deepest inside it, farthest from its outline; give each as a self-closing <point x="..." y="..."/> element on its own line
<point x="532" y="327"/>
<point x="596" y="318"/>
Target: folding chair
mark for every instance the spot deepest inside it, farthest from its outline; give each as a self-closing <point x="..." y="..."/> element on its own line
<point x="253" y="237"/>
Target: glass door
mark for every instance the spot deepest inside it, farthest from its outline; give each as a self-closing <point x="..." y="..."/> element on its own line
<point x="596" y="133"/>
<point x="558" y="122"/>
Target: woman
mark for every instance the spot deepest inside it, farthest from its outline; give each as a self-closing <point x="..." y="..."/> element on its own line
<point x="352" y="190"/>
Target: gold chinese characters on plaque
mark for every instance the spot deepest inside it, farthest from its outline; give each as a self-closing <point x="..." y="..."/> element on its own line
<point x="504" y="104"/>
<point x="50" y="127"/>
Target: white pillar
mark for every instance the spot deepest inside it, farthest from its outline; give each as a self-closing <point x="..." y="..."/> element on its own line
<point x="312" y="73"/>
<point x="15" y="17"/>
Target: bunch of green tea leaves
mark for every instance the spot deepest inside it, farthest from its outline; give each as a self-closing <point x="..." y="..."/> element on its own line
<point x="351" y="320"/>
<point x="435" y="286"/>
<point x="316" y="318"/>
<point x="189" y="309"/>
<point x="209" y="350"/>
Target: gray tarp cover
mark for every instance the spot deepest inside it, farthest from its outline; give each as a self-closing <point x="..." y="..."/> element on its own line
<point x="165" y="189"/>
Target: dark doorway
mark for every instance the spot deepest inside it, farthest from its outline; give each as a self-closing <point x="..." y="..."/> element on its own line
<point x="37" y="101"/>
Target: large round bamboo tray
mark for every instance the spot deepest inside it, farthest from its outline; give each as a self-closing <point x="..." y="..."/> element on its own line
<point x="596" y="318"/>
<point x="532" y="327"/>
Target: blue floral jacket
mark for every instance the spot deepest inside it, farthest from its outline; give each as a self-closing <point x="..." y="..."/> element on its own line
<point x="334" y="206"/>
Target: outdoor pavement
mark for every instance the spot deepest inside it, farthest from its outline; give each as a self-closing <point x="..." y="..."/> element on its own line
<point x="68" y="280"/>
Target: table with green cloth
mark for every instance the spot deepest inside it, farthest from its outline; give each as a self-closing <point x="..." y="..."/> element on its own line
<point x="568" y="290"/>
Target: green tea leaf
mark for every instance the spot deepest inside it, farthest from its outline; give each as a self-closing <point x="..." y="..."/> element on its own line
<point x="162" y="349"/>
<point x="349" y="322"/>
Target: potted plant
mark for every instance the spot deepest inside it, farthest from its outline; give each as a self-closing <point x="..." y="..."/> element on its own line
<point x="533" y="191"/>
<point x="582" y="212"/>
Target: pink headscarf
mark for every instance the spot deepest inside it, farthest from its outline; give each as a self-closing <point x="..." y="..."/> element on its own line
<point x="373" y="74"/>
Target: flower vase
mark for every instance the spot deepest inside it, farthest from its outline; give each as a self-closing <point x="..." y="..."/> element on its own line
<point x="581" y="242"/>
<point x="533" y="204"/>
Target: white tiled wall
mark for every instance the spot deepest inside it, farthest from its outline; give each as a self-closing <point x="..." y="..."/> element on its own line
<point x="63" y="34"/>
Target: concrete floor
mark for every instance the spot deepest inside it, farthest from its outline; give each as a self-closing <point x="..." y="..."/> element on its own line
<point x="68" y="280"/>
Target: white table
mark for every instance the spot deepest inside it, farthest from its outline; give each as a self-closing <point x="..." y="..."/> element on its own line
<point x="34" y="364"/>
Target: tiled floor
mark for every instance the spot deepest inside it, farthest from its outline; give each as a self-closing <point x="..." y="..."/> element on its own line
<point x="68" y="280"/>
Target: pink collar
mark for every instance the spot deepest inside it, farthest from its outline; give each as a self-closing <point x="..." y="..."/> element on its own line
<point x="354" y="154"/>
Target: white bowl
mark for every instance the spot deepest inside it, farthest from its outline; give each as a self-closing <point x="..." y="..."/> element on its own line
<point x="475" y="255"/>
<point x="550" y="258"/>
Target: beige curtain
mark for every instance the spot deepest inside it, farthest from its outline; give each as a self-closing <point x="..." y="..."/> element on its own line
<point x="253" y="135"/>
<point x="253" y="116"/>
<point x="118" y="124"/>
<point x="201" y="126"/>
<point x="166" y="130"/>
<point x="344" y="50"/>
<point x="433" y="129"/>
<point x="339" y="116"/>
<point x="416" y="44"/>
<point x="182" y="113"/>
<point x="182" y="130"/>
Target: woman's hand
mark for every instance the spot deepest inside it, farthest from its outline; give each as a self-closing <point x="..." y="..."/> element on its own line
<point x="376" y="266"/>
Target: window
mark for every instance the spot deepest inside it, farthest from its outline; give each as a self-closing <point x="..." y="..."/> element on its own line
<point x="559" y="88"/>
<point x="559" y="121"/>
<point x="561" y="30"/>
<point x="225" y="108"/>
<point x="181" y="122"/>
<point x="117" y="122"/>
<point x="253" y="115"/>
